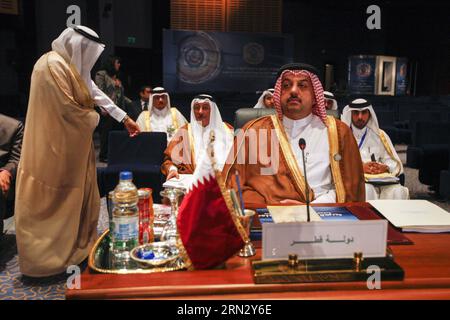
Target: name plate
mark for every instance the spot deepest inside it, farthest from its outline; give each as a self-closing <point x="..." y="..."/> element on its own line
<point x="324" y="240"/>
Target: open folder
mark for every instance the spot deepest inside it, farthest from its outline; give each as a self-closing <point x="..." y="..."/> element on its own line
<point x="414" y="215"/>
<point x="381" y="179"/>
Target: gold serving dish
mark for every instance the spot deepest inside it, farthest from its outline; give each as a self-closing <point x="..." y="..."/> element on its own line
<point x="101" y="260"/>
<point x="156" y="254"/>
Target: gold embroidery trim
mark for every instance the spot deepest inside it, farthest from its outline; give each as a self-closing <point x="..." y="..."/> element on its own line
<point x="234" y="215"/>
<point x="292" y="163"/>
<point x="183" y="253"/>
<point x="175" y="123"/>
<point x="192" y="145"/>
<point x="383" y="139"/>
<point x="147" y="121"/>
<point x="335" y="169"/>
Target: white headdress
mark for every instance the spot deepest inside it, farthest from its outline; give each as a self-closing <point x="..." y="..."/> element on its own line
<point x="360" y="105"/>
<point x="157" y="92"/>
<point x="329" y="96"/>
<point x="223" y="135"/>
<point x="82" y="47"/>
<point x="260" y="104"/>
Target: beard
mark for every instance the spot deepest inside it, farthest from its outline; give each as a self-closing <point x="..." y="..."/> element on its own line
<point x="360" y="124"/>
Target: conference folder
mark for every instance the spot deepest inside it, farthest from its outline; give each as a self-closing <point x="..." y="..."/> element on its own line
<point x="395" y="237"/>
<point x="414" y="215"/>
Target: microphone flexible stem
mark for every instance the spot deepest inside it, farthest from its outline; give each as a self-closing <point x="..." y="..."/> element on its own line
<point x="306" y="187"/>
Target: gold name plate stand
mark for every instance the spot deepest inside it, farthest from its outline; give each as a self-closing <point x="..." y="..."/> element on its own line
<point x="294" y="270"/>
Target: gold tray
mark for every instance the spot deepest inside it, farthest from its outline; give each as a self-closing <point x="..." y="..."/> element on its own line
<point x="100" y="261"/>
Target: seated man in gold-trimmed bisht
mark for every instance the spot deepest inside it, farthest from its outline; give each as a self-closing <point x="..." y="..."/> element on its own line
<point x="268" y="158"/>
<point x="57" y="198"/>
<point x="186" y="148"/>
<point x="161" y="116"/>
<point x="380" y="160"/>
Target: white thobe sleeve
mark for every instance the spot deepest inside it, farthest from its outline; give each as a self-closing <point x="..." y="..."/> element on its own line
<point x="104" y="102"/>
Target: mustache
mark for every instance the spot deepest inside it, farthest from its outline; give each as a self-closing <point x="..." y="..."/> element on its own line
<point x="294" y="99"/>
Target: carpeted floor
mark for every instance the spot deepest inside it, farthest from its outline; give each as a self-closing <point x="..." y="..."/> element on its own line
<point x="14" y="286"/>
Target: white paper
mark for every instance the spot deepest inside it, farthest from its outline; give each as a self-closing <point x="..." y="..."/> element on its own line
<point x="284" y="214"/>
<point x="421" y="215"/>
<point x="183" y="182"/>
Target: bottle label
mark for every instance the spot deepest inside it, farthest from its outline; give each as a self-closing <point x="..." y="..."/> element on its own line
<point x="126" y="228"/>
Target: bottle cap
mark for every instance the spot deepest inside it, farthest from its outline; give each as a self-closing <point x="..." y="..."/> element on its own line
<point x="126" y="175"/>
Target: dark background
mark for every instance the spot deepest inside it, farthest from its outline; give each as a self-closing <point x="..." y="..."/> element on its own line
<point x="325" y="32"/>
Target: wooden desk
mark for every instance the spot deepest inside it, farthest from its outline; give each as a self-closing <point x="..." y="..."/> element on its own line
<point x="426" y="265"/>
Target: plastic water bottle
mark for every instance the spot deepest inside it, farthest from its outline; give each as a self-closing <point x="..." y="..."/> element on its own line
<point x="125" y="219"/>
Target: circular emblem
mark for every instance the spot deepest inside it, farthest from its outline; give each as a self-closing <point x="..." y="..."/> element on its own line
<point x="363" y="70"/>
<point x="194" y="57"/>
<point x="199" y="59"/>
<point x="253" y="53"/>
<point x="337" y="157"/>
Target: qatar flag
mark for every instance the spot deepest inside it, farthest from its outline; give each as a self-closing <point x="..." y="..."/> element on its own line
<point x="209" y="228"/>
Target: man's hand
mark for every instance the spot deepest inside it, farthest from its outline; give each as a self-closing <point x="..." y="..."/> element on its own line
<point x="173" y="174"/>
<point x="291" y="202"/>
<point x="367" y="167"/>
<point x="380" y="168"/>
<point x="375" y="168"/>
<point x="5" y="181"/>
<point x="132" y="127"/>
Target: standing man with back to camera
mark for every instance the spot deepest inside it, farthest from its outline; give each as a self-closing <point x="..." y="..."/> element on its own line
<point x="57" y="198"/>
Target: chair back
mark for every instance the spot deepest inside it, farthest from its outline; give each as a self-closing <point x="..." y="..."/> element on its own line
<point x="146" y="148"/>
<point x="244" y="115"/>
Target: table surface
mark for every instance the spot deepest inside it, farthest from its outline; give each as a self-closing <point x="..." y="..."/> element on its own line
<point x="426" y="264"/>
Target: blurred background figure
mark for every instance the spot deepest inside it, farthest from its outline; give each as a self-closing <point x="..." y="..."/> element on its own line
<point x="10" y="147"/>
<point x="265" y="100"/>
<point x="135" y="108"/>
<point x="108" y="81"/>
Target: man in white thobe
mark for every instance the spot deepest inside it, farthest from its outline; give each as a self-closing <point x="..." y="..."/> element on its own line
<point x="192" y="140"/>
<point x="377" y="151"/>
<point x="161" y="117"/>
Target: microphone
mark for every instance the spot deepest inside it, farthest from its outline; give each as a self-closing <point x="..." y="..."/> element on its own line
<point x="302" y="145"/>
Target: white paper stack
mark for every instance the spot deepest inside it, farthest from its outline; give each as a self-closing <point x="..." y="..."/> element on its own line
<point x="284" y="214"/>
<point x="414" y="215"/>
<point x="183" y="182"/>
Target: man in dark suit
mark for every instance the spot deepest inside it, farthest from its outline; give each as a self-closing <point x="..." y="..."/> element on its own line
<point x="11" y="134"/>
<point x="137" y="106"/>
